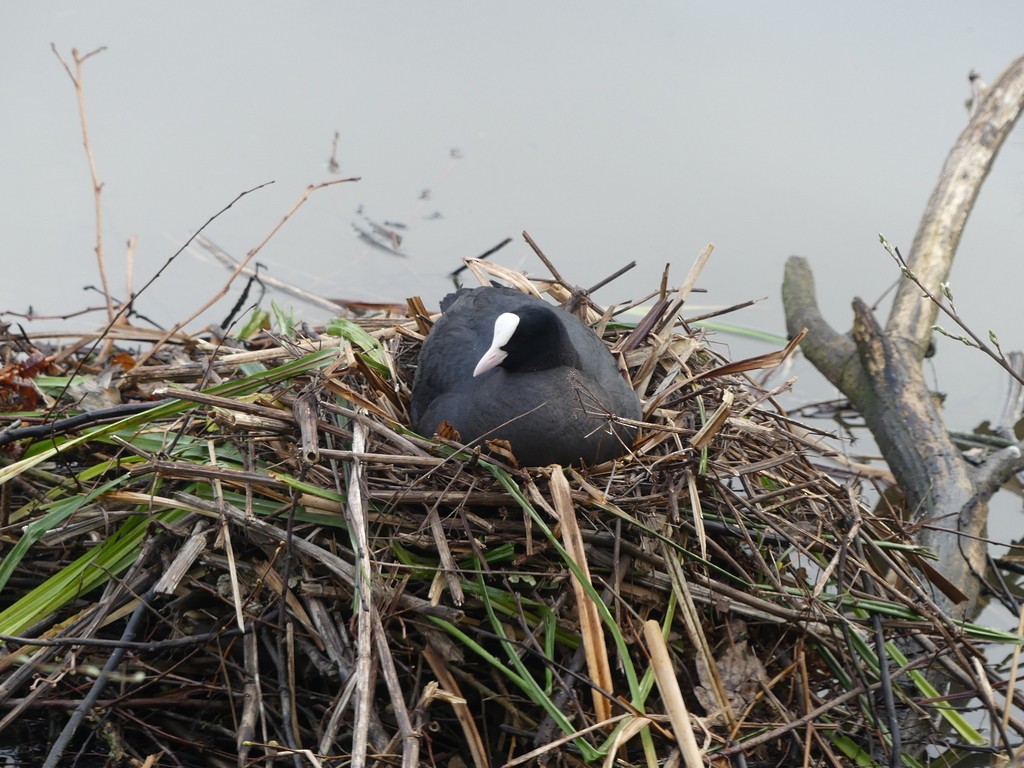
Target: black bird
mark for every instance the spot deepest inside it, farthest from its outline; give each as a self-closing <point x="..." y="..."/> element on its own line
<point x="500" y="364"/>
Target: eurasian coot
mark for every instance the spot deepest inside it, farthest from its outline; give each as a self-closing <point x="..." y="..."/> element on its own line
<point x="500" y="364"/>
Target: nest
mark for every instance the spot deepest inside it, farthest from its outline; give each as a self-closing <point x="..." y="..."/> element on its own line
<point x="235" y="555"/>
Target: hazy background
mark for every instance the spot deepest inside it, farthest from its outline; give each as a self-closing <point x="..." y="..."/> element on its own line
<point x="609" y="131"/>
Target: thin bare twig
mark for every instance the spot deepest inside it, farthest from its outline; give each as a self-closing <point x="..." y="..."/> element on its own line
<point x="547" y="262"/>
<point x="949" y="310"/>
<point x="243" y="263"/>
<point x="77" y="78"/>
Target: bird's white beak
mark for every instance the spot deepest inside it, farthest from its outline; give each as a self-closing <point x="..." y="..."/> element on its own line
<point x="504" y="326"/>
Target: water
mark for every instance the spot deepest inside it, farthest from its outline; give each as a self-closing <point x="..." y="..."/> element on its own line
<point x="609" y="133"/>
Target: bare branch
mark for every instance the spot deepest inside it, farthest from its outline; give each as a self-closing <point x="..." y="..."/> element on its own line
<point x="968" y="163"/>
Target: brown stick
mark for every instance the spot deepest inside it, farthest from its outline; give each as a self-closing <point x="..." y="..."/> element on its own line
<point x="97" y="185"/>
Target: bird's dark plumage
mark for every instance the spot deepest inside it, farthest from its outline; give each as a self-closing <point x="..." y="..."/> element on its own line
<point x="552" y="390"/>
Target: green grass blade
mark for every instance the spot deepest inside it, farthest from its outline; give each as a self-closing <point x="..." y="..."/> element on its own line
<point x="234" y="388"/>
<point x="89" y="571"/>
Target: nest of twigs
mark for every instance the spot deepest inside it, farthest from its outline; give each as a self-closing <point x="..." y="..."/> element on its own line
<point x="243" y="554"/>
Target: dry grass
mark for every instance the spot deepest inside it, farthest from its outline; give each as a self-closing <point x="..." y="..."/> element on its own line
<point x="264" y="561"/>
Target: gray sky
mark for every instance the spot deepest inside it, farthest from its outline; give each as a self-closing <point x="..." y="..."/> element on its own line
<point x="610" y="132"/>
